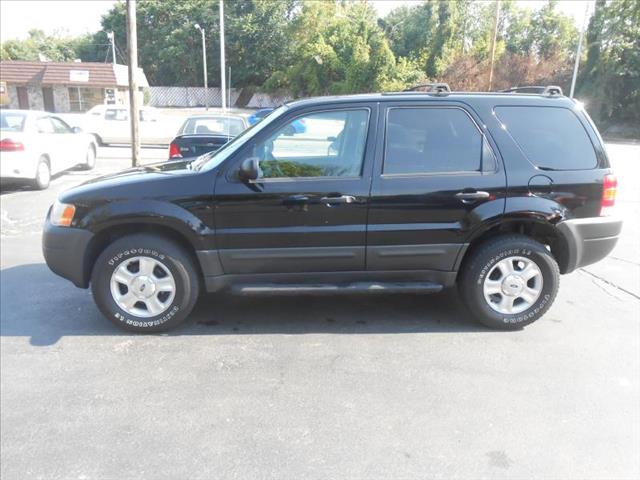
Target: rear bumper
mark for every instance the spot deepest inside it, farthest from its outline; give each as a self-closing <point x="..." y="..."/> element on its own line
<point x="17" y="166"/>
<point x="65" y="251"/>
<point x="589" y="240"/>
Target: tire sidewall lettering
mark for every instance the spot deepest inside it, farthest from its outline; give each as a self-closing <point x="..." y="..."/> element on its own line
<point x="119" y="314"/>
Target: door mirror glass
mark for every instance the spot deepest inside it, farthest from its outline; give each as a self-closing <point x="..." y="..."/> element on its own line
<point x="76" y="130"/>
<point x="250" y="169"/>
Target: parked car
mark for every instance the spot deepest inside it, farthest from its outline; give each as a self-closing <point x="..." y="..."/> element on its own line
<point x="109" y="124"/>
<point x="298" y="126"/>
<point x="36" y="145"/>
<point x="498" y="193"/>
<point x="201" y="134"/>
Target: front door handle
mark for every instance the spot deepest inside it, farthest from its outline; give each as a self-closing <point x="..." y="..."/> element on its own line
<point x="338" y="200"/>
<point x="470" y="197"/>
<point x="296" y="200"/>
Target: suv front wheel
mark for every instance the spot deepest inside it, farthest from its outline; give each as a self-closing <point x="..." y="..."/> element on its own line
<point x="509" y="282"/>
<point x="145" y="283"/>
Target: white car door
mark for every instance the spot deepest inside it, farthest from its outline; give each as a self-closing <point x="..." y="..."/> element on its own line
<point x="47" y="143"/>
<point x="72" y="147"/>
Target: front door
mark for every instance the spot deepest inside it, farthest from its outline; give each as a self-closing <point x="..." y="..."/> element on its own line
<point x="47" y="98"/>
<point x="23" y="98"/>
<point x="307" y="211"/>
<point x="436" y="179"/>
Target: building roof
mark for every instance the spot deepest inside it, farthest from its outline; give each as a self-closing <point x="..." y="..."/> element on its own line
<point x="89" y="74"/>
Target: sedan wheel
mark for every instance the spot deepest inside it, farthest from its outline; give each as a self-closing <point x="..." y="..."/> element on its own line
<point x="43" y="174"/>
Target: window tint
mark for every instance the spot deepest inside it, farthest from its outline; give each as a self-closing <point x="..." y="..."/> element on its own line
<point x="327" y="144"/>
<point x="431" y="140"/>
<point x="550" y="137"/>
<point x="11" y="121"/>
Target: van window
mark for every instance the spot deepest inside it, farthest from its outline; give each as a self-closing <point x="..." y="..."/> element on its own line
<point x="550" y="137"/>
<point x="431" y="140"/>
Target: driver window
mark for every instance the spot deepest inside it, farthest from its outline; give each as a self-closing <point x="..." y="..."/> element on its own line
<point x="326" y="144"/>
<point x="59" y="126"/>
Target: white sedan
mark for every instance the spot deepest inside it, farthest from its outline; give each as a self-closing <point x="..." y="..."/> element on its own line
<point x="36" y="145"/>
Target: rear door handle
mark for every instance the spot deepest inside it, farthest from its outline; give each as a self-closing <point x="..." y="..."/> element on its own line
<point x="470" y="197"/>
<point x="337" y="200"/>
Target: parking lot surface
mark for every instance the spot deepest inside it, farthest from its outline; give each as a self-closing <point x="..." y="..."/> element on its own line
<point x="393" y="387"/>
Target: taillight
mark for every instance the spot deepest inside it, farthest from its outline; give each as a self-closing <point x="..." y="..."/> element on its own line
<point x="609" y="190"/>
<point x="174" y="151"/>
<point x="8" y="145"/>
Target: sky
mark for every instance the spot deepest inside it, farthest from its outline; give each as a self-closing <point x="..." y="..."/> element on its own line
<point x="75" y="17"/>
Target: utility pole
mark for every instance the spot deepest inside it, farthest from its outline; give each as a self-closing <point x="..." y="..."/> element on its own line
<point x="111" y="36"/>
<point x="204" y="67"/>
<point x="577" y="64"/>
<point x="223" y="79"/>
<point x="493" y="44"/>
<point x="132" y="53"/>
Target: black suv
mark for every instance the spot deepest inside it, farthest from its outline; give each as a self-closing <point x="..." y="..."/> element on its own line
<point x="498" y="193"/>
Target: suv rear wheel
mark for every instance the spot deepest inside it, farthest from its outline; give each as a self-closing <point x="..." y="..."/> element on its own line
<point x="509" y="282"/>
<point x="145" y="283"/>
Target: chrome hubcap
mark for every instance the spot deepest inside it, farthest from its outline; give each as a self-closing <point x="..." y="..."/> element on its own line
<point x="513" y="285"/>
<point x="143" y="287"/>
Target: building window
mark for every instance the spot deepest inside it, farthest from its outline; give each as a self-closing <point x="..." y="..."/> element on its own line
<point x="82" y="99"/>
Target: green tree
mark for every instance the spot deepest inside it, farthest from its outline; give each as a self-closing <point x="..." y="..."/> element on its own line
<point x="38" y="45"/>
<point x="610" y="81"/>
<point x="169" y="46"/>
<point x="339" y="48"/>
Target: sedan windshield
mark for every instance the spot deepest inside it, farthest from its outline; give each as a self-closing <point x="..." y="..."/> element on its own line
<point x="12" y="121"/>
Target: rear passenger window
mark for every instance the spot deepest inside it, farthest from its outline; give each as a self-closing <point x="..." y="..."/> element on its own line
<point x="431" y="140"/>
<point x="550" y="137"/>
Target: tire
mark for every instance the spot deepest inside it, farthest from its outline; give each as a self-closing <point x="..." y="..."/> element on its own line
<point x="99" y="141"/>
<point x="90" y="158"/>
<point x="43" y="174"/>
<point x="509" y="282"/>
<point x="170" y="263"/>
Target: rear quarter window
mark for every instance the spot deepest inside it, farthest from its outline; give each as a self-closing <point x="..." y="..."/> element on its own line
<point x="550" y="137"/>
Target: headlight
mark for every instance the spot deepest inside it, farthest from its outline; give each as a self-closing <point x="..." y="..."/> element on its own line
<point x="62" y="214"/>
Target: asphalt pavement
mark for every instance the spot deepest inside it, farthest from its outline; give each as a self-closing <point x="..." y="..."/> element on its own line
<point x="391" y="387"/>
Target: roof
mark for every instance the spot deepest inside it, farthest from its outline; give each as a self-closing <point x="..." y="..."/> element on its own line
<point x="90" y="74"/>
<point x="499" y="97"/>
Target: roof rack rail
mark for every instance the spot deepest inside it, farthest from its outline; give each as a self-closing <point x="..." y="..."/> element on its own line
<point x="551" y="90"/>
<point x="430" y="88"/>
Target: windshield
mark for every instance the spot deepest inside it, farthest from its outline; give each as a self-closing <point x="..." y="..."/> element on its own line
<point x="213" y="159"/>
<point x="12" y="121"/>
<point x="216" y="125"/>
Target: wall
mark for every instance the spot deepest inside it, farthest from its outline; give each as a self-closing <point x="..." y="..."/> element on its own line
<point x="36" y="102"/>
<point x="61" y="99"/>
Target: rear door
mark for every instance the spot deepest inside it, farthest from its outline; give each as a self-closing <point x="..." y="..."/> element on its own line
<point x="436" y="178"/>
<point x="307" y="211"/>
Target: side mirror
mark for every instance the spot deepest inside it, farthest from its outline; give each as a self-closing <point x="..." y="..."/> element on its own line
<point x="250" y="169"/>
<point x="76" y="130"/>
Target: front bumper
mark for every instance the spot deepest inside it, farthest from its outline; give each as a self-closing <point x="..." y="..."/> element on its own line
<point x="65" y="251"/>
<point x="589" y="240"/>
